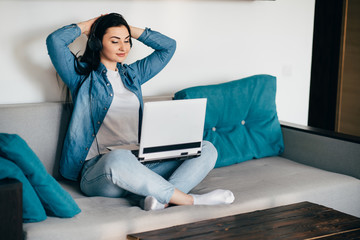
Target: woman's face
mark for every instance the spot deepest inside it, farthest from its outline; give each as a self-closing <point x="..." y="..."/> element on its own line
<point x="116" y="46"/>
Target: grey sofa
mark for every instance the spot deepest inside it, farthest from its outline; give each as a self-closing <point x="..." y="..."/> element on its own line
<point x="315" y="166"/>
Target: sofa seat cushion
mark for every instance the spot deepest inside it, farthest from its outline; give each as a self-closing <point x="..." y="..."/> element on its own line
<point x="241" y="118"/>
<point x="257" y="184"/>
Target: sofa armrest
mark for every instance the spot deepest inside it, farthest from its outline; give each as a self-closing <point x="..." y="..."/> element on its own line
<point x="322" y="149"/>
<point x="11" y="209"/>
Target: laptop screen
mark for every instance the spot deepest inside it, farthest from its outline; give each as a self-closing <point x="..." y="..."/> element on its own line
<point x="172" y="128"/>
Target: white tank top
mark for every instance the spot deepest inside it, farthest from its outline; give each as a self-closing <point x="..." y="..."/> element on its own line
<point x="121" y="122"/>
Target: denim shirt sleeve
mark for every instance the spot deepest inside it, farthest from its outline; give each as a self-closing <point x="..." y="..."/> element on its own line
<point x="151" y="65"/>
<point x="61" y="57"/>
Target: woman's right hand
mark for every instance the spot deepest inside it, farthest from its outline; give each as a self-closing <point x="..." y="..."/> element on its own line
<point x="86" y="25"/>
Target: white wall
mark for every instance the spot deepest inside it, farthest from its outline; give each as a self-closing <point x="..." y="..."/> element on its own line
<point x="218" y="41"/>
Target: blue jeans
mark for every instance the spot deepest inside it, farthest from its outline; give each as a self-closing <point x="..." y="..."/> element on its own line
<point x="119" y="172"/>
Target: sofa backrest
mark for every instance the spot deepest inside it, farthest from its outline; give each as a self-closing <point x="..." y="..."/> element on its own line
<point x="41" y="125"/>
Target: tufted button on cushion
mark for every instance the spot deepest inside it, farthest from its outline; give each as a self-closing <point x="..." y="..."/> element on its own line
<point x="245" y="111"/>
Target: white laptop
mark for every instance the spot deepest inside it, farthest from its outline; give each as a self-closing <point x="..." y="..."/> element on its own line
<point x="170" y="129"/>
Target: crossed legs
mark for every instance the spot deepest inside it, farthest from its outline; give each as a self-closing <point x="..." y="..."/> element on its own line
<point x="119" y="172"/>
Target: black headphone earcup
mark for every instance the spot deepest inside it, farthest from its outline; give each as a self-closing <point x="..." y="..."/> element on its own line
<point x="94" y="44"/>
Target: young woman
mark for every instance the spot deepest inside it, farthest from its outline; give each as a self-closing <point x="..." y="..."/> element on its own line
<point x="107" y="111"/>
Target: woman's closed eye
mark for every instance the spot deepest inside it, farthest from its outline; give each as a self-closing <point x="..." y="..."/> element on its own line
<point x="116" y="42"/>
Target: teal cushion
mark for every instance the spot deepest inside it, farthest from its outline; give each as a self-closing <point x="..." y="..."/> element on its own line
<point x="241" y="118"/>
<point x="56" y="201"/>
<point x="33" y="211"/>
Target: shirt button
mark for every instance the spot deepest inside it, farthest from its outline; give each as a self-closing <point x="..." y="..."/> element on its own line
<point x="108" y="84"/>
<point x="93" y="135"/>
<point x="81" y="162"/>
<point x="214" y="129"/>
<point x="98" y="122"/>
<point x="105" y="108"/>
<point x="87" y="149"/>
<point x="111" y="94"/>
<point x="243" y="122"/>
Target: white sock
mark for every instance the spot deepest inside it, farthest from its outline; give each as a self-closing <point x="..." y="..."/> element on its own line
<point x="150" y="203"/>
<point x="218" y="196"/>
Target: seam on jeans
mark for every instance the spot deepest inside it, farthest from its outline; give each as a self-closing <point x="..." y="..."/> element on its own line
<point x="125" y="187"/>
<point x="109" y="177"/>
<point x="94" y="179"/>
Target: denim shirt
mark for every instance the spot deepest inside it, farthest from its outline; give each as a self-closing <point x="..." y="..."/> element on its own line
<point x="87" y="116"/>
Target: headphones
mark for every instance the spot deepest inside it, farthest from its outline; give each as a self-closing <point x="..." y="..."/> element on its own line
<point x="94" y="42"/>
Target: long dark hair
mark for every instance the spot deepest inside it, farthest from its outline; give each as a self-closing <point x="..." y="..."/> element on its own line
<point x="90" y="60"/>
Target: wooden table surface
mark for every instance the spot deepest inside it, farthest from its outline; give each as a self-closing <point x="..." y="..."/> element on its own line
<point x="303" y="220"/>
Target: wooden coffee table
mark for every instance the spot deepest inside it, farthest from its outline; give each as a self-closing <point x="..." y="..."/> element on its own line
<point x="303" y="220"/>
